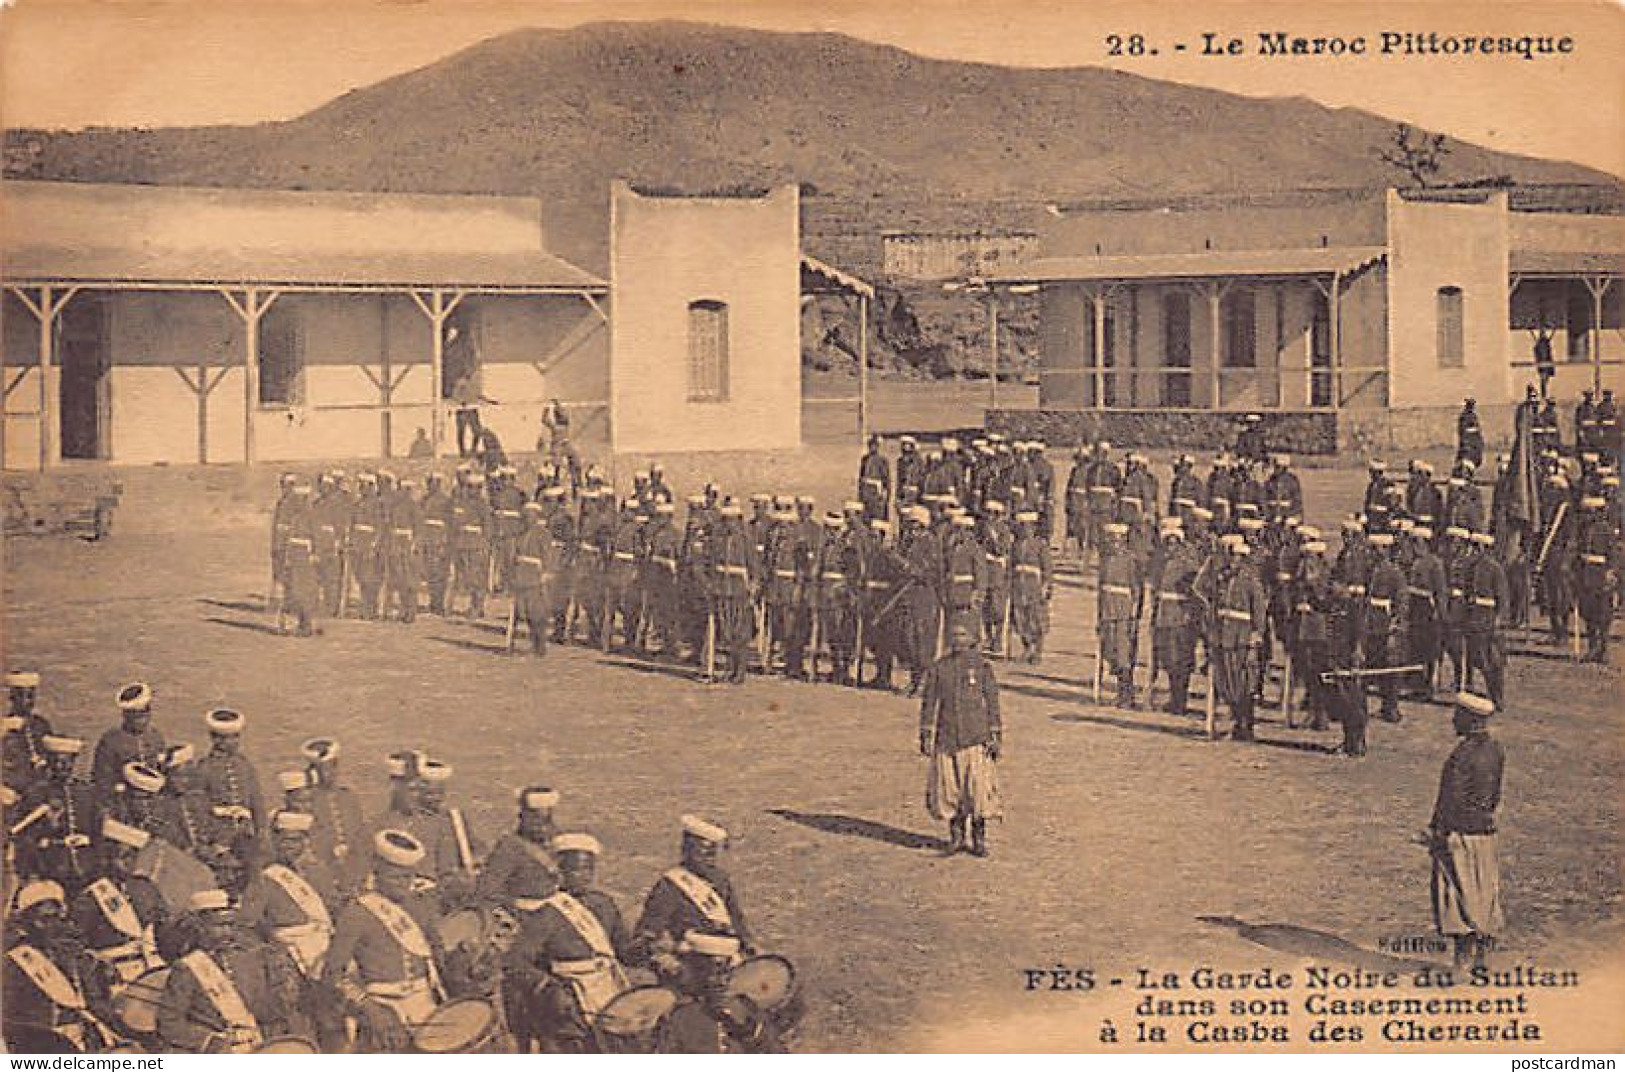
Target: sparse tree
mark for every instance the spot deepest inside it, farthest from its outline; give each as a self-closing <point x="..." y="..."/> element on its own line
<point x="1417" y="153"/>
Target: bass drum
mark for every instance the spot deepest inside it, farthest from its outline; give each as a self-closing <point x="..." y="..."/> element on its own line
<point x="630" y="1023"/>
<point x="135" y="1007"/>
<point x="768" y="982"/>
<point x="467" y="1026"/>
<point x="287" y="1044"/>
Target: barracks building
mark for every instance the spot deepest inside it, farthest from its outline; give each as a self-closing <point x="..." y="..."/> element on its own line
<point x="1348" y="319"/>
<point x="147" y="324"/>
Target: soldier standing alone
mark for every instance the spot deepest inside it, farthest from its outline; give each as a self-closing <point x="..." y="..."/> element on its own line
<point x="962" y="737"/>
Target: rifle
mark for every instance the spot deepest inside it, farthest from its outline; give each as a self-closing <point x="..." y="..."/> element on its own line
<point x="817" y="641"/>
<point x="344" y="583"/>
<point x="1330" y="676"/>
<point x="513" y="622"/>
<point x="465" y="851"/>
<point x="1212" y="703"/>
<point x="857" y="654"/>
<point x="710" y="645"/>
<point x="1551" y="534"/>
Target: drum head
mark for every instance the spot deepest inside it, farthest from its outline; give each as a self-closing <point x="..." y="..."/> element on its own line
<point x="287" y="1044"/>
<point x="464" y="927"/>
<point x="454" y="1027"/>
<point x="136" y="1006"/>
<point x="637" y="1011"/>
<point x="768" y="981"/>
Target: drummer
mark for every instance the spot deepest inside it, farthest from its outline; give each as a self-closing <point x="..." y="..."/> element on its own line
<point x="288" y="901"/>
<point x="42" y="977"/>
<point x="577" y="937"/>
<point x="523" y="855"/>
<point x="231" y="993"/>
<point x="708" y="1018"/>
<point x="122" y="916"/>
<point x="390" y="935"/>
<point x="695" y="894"/>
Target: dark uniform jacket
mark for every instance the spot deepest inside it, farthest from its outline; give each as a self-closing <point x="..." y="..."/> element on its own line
<point x="1470" y="787"/>
<point x="960" y="708"/>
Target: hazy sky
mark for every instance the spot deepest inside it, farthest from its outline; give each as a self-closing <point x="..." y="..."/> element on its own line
<point x="72" y="63"/>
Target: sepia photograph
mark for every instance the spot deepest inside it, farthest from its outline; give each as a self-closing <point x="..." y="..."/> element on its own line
<point x="908" y="527"/>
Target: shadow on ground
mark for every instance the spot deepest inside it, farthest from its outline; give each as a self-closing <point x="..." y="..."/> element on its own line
<point x="1320" y="945"/>
<point x="849" y="826"/>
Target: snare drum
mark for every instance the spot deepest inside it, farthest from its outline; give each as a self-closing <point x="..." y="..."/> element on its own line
<point x="287" y="1044"/>
<point x="768" y="981"/>
<point x="467" y="1026"/>
<point x="628" y="1024"/>
<point x="136" y="1006"/>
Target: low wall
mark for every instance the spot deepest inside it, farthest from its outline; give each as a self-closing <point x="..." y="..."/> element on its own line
<point x="1298" y="433"/>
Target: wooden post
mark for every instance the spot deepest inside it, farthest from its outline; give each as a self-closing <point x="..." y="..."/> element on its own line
<point x="1099" y="334"/>
<point x="1334" y="317"/>
<point x="437" y="307"/>
<point x="250" y="309"/>
<point x="251" y="372"/>
<point x="437" y="365"/>
<point x="1598" y="287"/>
<point x="1215" y="345"/>
<point x="992" y="350"/>
<point x="47" y="346"/>
<point x="863" y="369"/>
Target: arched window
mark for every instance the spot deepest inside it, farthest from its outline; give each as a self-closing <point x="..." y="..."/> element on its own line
<point x="1452" y="353"/>
<point x="707" y="351"/>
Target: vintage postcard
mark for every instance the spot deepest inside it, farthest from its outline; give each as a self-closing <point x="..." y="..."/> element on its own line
<point x="648" y="527"/>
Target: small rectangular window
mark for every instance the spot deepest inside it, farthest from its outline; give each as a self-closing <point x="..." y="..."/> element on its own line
<point x="1579" y="323"/>
<point x="707" y="351"/>
<point x="1176" y="347"/>
<point x="1452" y="352"/>
<point x="282" y="357"/>
<point x="1240" y="329"/>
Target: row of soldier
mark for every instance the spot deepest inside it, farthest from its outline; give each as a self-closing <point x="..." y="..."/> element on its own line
<point x="785" y="587"/>
<point x="297" y="925"/>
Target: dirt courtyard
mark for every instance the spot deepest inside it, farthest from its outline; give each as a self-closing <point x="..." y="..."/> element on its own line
<point x="1130" y="840"/>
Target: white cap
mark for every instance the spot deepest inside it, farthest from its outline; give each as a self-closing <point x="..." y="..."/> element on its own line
<point x="398" y="847"/>
<point x="320" y="749"/>
<point x="209" y="901"/>
<point x="1251" y="524"/>
<point x="1309" y="532"/>
<point x="1381" y="539"/>
<point x="1315" y="547"/>
<point x="136" y="696"/>
<point x="1483" y="539"/>
<point x="141" y="776"/>
<point x="224" y="720"/>
<point x="963" y="521"/>
<point x="578" y="843"/>
<point x="298" y="821"/>
<point x="38" y="892"/>
<point x="880" y="524"/>
<point x="124" y="833"/>
<point x="705" y="830"/>
<point x="60" y="745"/>
<point x="293" y="779"/>
<point x="1115" y="528"/>
<point x="1421" y="532"/>
<point x="1481" y="706"/>
<point x="23" y="679"/>
<point x="433" y="770"/>
<point x="710" y="945"/>
<point x="538" y="798"/>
